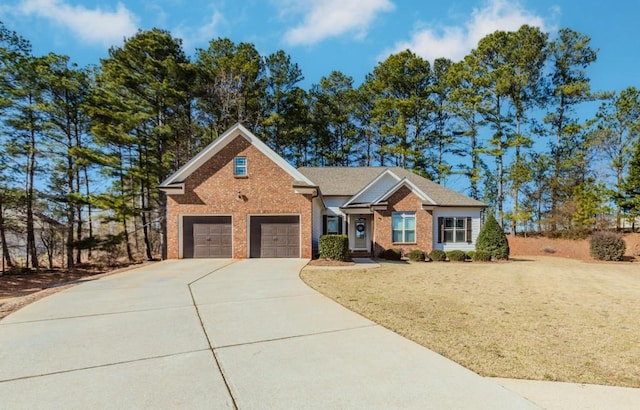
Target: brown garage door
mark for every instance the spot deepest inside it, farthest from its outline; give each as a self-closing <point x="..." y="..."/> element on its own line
<point x="207" y="237"/>
<point x="275" y="237"/>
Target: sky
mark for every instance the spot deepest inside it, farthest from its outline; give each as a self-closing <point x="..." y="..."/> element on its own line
<point x="351" y="36"/>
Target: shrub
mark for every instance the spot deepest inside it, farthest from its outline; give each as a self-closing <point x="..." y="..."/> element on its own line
<point x="438" y="255"/>
<point x="492" y="239"/>
<point x="607" y="246"/>
<point x="334" y="247"/>
<point x="457" y="256"/>
<point x="471" y="254"/>
<point x="481" y="256"/>
<point x="417" y="255"/>
<point x="392" y="254"/>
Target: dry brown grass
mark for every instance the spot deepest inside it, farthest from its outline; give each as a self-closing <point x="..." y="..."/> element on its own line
<point x="545" y="319"/>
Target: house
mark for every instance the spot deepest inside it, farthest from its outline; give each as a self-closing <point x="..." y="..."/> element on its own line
<point x="239" y="199"/>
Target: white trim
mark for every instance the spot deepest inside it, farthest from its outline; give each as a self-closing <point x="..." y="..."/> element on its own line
<point x="244" y="167"/>
<point x="355" y="211"/>
<point x="177" y="189"/>
<point x="306" y="191"/>
<point x="248" y="228"/>
<point x="410" y="185"/>
<point x="181" y="232"/>
<point x="369" y="185"/>
<point x="222" y="141"/>
<point x="458" y="212"/>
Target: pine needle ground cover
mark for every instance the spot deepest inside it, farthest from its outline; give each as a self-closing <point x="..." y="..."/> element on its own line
<point x="545" y="319"/>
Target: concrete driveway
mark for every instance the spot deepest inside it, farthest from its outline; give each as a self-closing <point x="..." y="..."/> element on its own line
<point x="217" y="334"/>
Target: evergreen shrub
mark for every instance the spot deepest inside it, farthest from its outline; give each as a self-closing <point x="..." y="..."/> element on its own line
<point x="493" y="240"/>
<point x="437" y="255"/>
<point x="457" y="256"/>
<point x="335" y="247"/>
<point x="392" y="254"/>
<point x="481" y="256"/>
<point x="607" y="246"/>
<point x="417" y="255"/>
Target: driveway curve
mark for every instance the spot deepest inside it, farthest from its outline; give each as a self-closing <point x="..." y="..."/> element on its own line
<point x="217" y="334"/>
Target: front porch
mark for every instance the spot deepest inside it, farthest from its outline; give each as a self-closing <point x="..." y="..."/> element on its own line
<point x="360" y="233"/>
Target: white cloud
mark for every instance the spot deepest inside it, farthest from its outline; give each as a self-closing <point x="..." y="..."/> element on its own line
<point x="91" y="25"/>
<point x="199" y="36"/>
<point x="323" y="19"/>
<point x="454" y="42"/>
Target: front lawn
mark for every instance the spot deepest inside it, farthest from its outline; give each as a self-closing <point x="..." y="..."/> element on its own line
<point x="546" y="319"/>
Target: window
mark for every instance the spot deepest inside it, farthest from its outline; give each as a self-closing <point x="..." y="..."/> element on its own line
<point x="403" y="227"/>
<point x="454" y="229"/>
<point x="332" y="225"/>
<point x="240" y="166"/>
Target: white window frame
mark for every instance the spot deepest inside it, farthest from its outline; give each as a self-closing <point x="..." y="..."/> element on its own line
<point x="405" y="216"/>
<point x="240" y="170"/>
<point x="454" y="229"/>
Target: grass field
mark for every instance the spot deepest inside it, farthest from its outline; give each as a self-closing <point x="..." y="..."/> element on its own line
<point x="544" y="318"/>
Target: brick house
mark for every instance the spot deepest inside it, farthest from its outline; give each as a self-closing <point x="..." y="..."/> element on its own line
<point x="239" y="199"/>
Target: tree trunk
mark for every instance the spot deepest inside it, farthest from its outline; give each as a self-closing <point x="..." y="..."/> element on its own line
<point x="70" y="211"/>
<point x="163" y="224"/>
<point x="516" y="183"/>
<point x="125" y="230"/>
<point x="145" y="224"/>
<point x="89" y="209"/>
<point x="3" y="237"/>
<point x="475" y="160"/>
<point x="32" y="251"/>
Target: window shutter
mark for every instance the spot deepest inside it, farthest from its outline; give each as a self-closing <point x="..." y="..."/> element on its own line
<point x="339" y="225"/>
<point x="440" y="230"/>
<point x="469" y="230"/>
<point x="324" y="224"/>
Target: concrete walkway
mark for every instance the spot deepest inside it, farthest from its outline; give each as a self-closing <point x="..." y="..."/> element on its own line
<point x="220" y="334"/>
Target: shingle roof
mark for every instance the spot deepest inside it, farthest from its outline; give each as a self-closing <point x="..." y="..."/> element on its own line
<point x="347" y="181"/>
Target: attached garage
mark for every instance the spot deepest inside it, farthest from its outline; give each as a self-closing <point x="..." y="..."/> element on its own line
<point x="207" y="237"/>
<point x="274" y="236"/>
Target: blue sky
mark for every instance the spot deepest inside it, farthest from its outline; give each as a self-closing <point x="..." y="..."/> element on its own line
<point x="351" y="36"/>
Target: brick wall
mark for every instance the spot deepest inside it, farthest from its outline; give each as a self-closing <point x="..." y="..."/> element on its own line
<point x="212" y="189"/>
<point x="404" y="200"/>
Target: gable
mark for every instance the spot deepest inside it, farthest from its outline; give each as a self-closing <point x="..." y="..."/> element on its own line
<point x="175" y="183"/>
<point x="406" y="184"/>
<point x="375" y="189"/>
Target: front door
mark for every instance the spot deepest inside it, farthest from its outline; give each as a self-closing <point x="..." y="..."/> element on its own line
<point x="361" y="232"/>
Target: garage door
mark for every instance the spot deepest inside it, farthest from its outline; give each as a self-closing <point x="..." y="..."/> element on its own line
<point x="275" y="237"/>
<point x="207" y="237"/>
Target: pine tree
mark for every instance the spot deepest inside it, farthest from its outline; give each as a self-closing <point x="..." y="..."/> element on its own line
<point x="630" y="200"/>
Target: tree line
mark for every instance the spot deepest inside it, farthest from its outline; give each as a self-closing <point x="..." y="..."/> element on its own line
<point x="84" y="148"/>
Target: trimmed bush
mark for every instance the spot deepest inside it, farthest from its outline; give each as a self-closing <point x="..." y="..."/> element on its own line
<point x="492" y="239"/>
<point x="471" y="254"/>
<point x="457" y="256"/>
<point x="481" y="256"/>
<point x="392" y="254"/>
<point x="417" y="255"/>
<point x="438" y="255"/>
<point x="607" y="246"/>
<point x="334" y="247"/>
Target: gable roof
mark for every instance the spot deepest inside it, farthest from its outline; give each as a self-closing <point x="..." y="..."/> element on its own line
<point x="404" y="182"/>
<point x="347" y="181"/>
<point x="177" y="179"/>
<point x="371" y="183"/>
